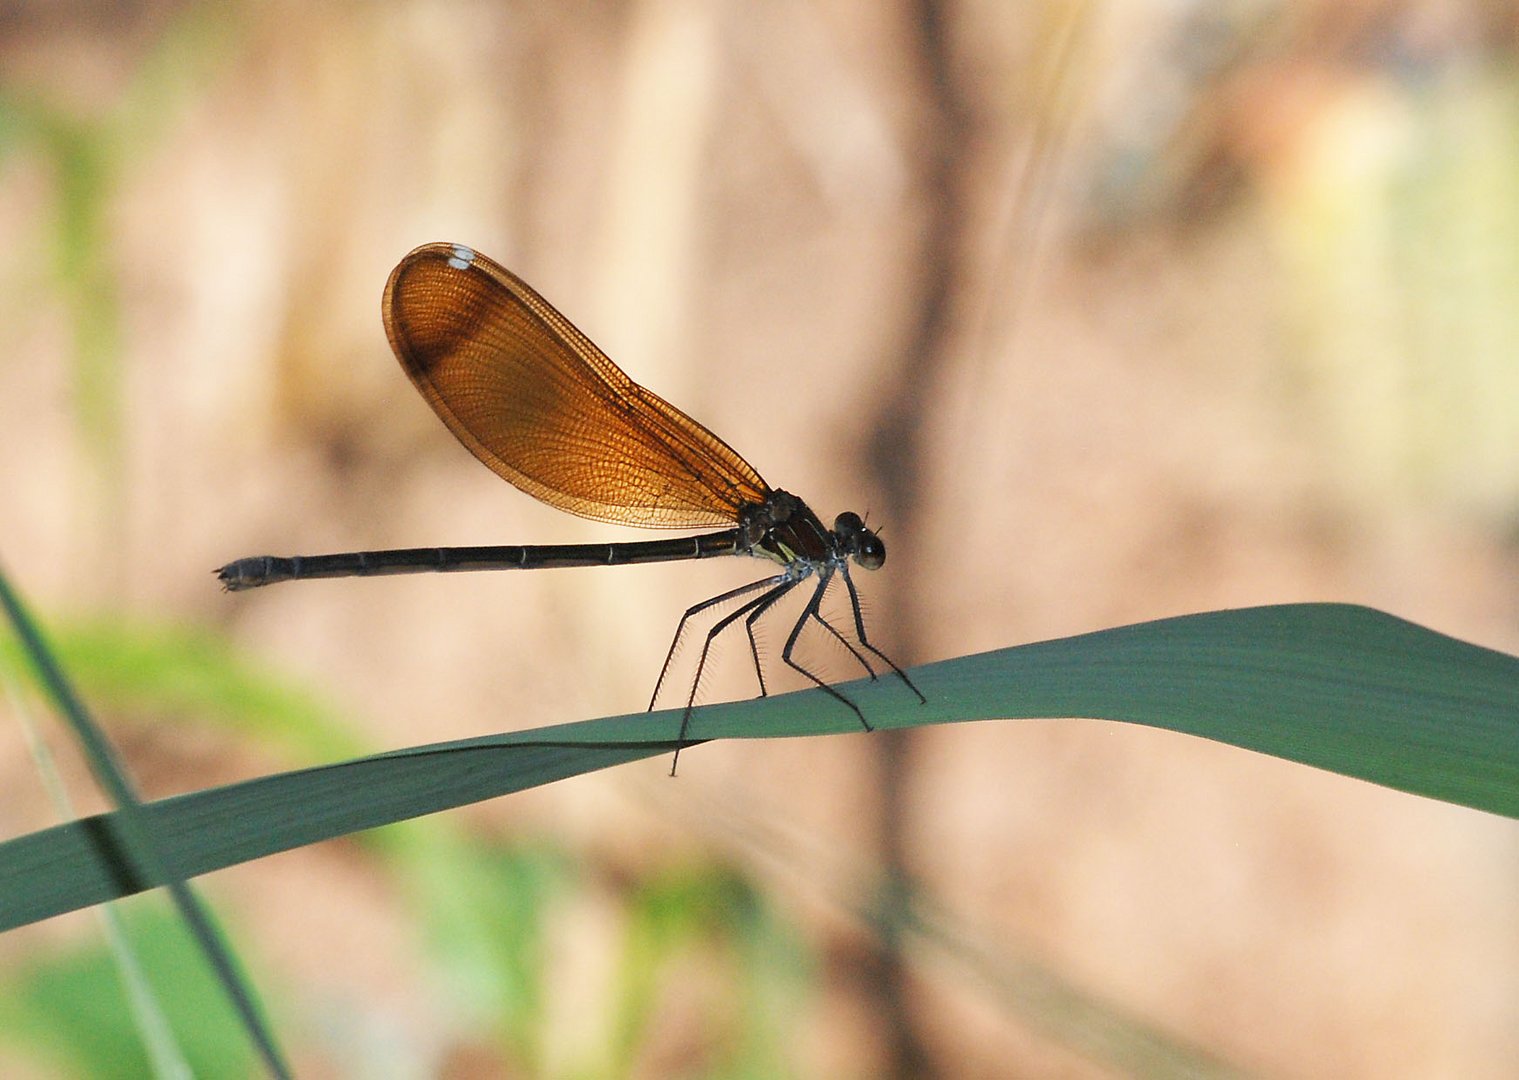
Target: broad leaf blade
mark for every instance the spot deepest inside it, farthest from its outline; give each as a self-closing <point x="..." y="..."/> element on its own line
<point x="1330" y="685"/>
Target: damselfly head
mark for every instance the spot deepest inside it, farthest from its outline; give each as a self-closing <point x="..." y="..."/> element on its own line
<point x="859" y="543"/>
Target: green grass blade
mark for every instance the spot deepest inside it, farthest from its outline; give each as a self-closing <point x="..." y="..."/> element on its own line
<point x="152" y="1026"/>
<point x="133" y="833"/>
<point x="1330" y="685"/>
<point x="67" y="1007"/>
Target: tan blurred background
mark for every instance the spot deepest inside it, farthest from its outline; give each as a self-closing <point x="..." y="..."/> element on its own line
<point x="1104" y="312"/>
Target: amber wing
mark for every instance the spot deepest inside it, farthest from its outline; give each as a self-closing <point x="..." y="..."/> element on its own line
<point x="537" y="402"/>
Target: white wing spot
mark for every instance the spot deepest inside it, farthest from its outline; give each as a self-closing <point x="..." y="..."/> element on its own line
<point x="461" y="257"/>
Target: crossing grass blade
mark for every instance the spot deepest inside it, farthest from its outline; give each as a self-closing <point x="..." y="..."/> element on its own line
<point x="1334" y="686"/>
<point x="135" y="835"/>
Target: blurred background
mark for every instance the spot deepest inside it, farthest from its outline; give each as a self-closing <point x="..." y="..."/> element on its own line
<point x="1103" y="313"/>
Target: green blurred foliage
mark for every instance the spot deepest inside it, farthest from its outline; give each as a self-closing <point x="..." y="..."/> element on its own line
<point x="69" y="1008"/>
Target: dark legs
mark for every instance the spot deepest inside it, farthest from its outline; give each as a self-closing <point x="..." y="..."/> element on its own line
<point x="817" y="617"/>
<point x="815" y="614"/>
<point x="775" y="588"/>
<point x="771" y="591"/>
<point x="812" y="612"/>
<point x="691" y="612"/>
<point x="859" y="630"/>
<point x="756" y="606"/>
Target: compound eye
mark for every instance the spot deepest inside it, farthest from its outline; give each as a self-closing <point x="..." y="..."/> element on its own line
<point x="869" y="552"/>
<point x="848" y="523"/>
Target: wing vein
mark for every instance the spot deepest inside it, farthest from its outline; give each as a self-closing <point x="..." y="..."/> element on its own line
<point x="540" y="405"/>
